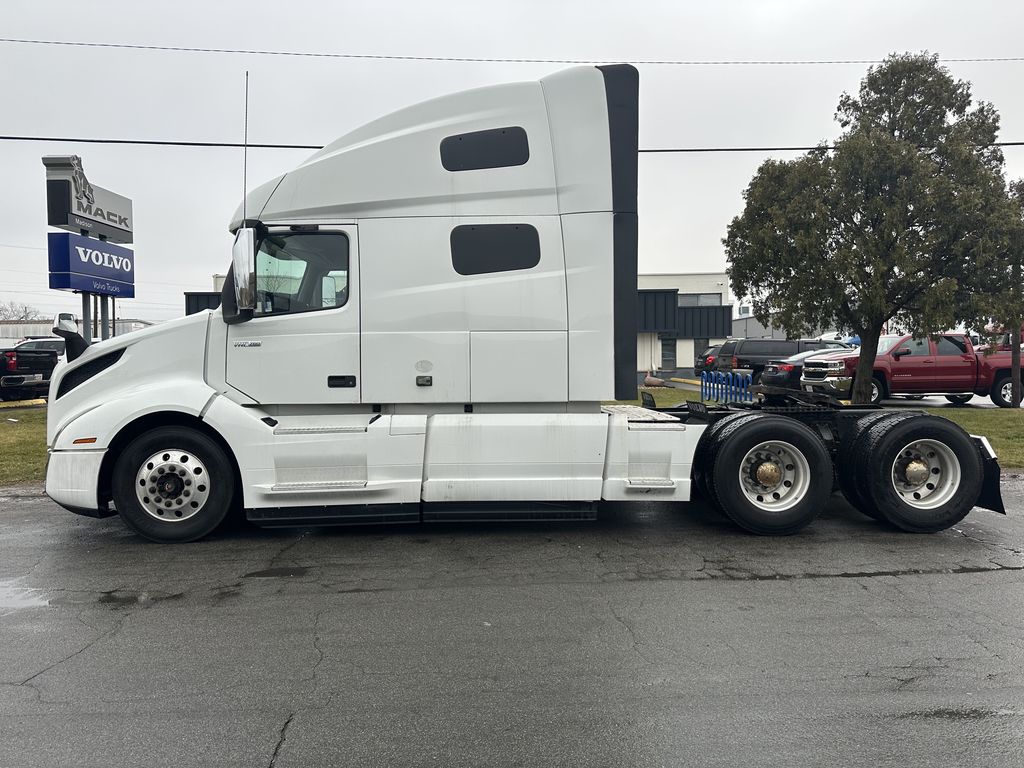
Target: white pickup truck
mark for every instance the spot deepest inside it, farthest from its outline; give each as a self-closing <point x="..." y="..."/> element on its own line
<point x="422" y="321"/>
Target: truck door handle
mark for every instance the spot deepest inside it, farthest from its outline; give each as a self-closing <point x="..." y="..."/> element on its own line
<point x="341" y="381"/>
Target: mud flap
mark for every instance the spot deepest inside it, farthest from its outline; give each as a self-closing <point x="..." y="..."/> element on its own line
<point x="990" y="496"/>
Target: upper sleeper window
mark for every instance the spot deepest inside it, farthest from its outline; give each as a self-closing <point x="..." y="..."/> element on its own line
<point x="494" y="148"/>
<point x="481" y="248"/>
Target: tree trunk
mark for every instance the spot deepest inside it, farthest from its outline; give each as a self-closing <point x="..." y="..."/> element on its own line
<point x="1015" y="362"/>
<point x="866" y="363"/>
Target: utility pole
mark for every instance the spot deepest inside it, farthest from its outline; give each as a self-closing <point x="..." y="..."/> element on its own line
<point x="1015" y="321"/>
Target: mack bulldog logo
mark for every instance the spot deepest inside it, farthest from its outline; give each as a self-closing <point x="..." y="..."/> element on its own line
<point x="83" y="189"/>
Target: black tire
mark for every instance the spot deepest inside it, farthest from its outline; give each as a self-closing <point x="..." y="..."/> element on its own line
<point x="935" y="444"/>
<point x="959" y="399"/>
<point x="702" y="457"/>
<point x="999" y="395"/>
<point x="733" y="447"/>
<point x="849" y="460"/>
<point x="194" y="457"/>
<point x="10" y="395"/>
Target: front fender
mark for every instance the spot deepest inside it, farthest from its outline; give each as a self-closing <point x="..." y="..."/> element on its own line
<point x="104" y="420"/>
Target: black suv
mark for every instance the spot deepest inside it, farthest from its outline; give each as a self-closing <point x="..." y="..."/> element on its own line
<point x="752" y="355"/>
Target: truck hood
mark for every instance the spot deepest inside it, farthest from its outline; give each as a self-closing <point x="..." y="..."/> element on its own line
<point x="169" y="328"/>
<point x="842" y="355"/>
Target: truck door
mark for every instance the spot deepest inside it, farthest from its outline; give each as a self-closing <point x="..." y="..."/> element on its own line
<point x="955" y="364"/>
<point x="913" y="367"/>
<point x="302" y="344"/>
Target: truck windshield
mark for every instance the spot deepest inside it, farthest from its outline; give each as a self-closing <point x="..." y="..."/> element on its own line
<point x="885" y="343"/>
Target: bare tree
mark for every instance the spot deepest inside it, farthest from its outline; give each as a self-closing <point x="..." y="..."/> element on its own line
<point x="13" y="310"/>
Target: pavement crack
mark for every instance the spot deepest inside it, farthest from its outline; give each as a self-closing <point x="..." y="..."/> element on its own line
<point x="986" y="543"/>
<point x="317" y="648"/>
<point x="69" y="657"/>
<point x="281" y="738"/>
<point x="632" y="634"/>
<point x="286" y="548"/>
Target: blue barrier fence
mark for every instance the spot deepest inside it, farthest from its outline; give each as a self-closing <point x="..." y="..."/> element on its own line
<point x="726" y="387"/>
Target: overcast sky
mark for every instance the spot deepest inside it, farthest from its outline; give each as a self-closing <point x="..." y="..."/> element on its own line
<point x="183" y="197"/>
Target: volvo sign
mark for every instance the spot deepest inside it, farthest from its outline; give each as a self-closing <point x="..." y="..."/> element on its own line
<point x="92" y="266"/>
<point x="74" y="204"/>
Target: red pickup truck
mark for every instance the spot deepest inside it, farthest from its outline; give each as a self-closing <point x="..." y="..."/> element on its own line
<point x="946" y="365"/>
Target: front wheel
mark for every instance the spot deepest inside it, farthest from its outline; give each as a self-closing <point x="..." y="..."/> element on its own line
<point x="772" y="475"/>
<point x="173" y="484"/>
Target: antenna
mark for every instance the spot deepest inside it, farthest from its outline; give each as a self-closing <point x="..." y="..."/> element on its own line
<point x="245" y="148"/>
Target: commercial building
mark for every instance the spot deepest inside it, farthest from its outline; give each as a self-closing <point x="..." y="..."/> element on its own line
<point x="680" y="315"/>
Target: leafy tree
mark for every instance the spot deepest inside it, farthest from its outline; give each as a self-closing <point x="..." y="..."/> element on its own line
<point x="1005" y="300"/>
<point x="888" y="225"/>
<point x="13" y="310"/>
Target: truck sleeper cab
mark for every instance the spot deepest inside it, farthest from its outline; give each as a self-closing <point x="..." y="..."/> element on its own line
<point x="421" y="323"/>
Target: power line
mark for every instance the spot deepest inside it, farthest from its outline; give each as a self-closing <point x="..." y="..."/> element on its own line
<point x="238" y="145"/>
<point x="487" y="60"/>
<point x="158" y="143"/>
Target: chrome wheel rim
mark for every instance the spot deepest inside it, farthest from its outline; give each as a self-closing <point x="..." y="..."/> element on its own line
<point x="925" y="474"/>
<point x="1007" y="392"/>
<point x="876" y="393"/>
<point x="172" y="485"/>
<point x="774" y="476"/>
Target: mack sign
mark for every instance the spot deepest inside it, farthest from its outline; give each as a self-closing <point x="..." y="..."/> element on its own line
<point x="93" y="266"/>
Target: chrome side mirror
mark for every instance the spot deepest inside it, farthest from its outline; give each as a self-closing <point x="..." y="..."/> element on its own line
<point x="243" y="262"/>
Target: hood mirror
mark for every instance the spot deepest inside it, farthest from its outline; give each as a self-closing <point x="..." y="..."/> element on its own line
<point x="65" y="326"/>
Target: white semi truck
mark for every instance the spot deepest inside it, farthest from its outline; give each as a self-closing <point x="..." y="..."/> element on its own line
<point x="422" y="321"/>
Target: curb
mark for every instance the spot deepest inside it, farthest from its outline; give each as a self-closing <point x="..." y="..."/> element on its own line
<point x="22" y="403"/>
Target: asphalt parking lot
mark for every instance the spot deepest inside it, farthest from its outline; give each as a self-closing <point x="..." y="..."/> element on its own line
<point x="658" y="635"/>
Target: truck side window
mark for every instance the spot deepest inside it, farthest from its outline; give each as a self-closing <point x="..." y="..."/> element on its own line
<point x="478" y="249"/>
<point x="916" y="347"/>
<point x="951" y="345"/>
<point x="301" y="272"/>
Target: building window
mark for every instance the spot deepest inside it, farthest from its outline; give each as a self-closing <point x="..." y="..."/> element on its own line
<point x="668" y="354"/>
<point x="700" y="299"/>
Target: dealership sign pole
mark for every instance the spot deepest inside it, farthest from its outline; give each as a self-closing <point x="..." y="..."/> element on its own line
<point x="87" y="261"/>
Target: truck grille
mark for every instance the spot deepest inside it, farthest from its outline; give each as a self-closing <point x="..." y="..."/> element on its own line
<point x="822" y="369"/>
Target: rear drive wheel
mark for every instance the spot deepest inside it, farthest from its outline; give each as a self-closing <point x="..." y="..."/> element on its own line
<point x="703" y="457"/>
<point x="772" y="476"/>
<point x="173" y="484"/>
<point x="1002" y="392"/>
<point x="959" y="399"/>
<point x="850" y="461"/>
<point x="924" y="473"/>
